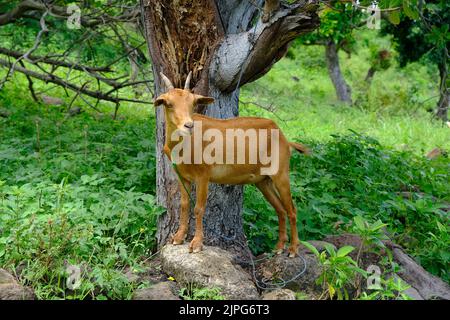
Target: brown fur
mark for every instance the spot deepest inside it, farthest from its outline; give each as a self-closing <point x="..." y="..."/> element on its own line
<point x="179" y="105"/>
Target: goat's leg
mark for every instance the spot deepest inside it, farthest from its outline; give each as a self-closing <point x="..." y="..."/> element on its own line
<point x="281" y="183"/>
<point x="196" y="244"/>
<point x="185" y="188"/>
<point x="267" y="189"/>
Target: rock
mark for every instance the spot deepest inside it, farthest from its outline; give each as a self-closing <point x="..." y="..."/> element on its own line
<point x="158" y="291"/>
<point x="74" y="111"/>
<point x="285" y="268"/>
<point x="212" y="268"/>
<point x="345" y="239"/>
<point x="279" y="294"/>
<point x="53" y="101"/>
<point x="433" y="154"/>
<point x="6" y="278"/>
<point x="10" y="289"/>
<point x="130" y="275"/>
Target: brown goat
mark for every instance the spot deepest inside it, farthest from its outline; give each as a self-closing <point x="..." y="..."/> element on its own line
<point x="246" y="167"/>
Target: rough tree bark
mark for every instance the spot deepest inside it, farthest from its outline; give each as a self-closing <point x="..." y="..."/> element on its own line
<point x="444" y="94"/>
<point x="215" y="40"/>
<point x="343" y="90"/>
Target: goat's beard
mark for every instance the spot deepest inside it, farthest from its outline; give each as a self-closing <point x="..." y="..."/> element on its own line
<point x="184" y="132"/>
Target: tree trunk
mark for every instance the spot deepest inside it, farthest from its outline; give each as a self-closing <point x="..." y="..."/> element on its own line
<point x="216" y="41"/>
<point x="444" y="93"/>
<point x="343" y="90"/>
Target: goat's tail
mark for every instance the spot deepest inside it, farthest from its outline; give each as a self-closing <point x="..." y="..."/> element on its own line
<point x="300" y="148"/>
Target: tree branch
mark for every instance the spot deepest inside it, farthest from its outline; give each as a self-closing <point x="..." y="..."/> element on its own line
<point x="259" y="48"/>
<point x="58" y="81"/>
<point x="26" y="6"/>
<point x="59" y="63"/>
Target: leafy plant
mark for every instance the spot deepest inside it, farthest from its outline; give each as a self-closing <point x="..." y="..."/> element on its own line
<point x="338" y="270"/>
<point x="390" y="289"/>
<point x="198" y="293"/>
<point x="370" y="233"/>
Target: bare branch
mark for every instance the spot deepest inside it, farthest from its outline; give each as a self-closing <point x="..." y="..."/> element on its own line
<point x="258" y="49"/>
<point x="26" y="6"/>
<point x="50" y="78"/>
<point x="59" y="63"/>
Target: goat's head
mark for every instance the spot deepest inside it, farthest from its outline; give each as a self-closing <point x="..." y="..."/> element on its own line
<point x="179" y="105"/>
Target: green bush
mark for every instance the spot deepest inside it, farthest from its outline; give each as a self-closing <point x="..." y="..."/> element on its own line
<point x="353" y="175"/>
<point x="79" y="194"/>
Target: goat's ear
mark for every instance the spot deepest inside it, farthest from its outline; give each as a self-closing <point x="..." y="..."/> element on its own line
<point x="203" y="100"/>
<point x="159" y="101"/>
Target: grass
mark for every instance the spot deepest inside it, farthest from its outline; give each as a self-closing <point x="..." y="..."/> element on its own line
<point x="78" y="193"/>
<point x="302" y="101"/>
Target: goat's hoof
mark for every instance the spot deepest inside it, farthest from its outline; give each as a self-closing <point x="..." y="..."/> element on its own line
<point x="195" y="250"/>
<point x="177" y="240"/>
<point x="198" y="249"/>
<point x="278" y="251"/>
<point x="195" y="246"/>
<point x="292" y="252"/>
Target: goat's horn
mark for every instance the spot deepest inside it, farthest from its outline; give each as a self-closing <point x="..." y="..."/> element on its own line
<point x="166" y="81"/>
<point x="188" y="81"/>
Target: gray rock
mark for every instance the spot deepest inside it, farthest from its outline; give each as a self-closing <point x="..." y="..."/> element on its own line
<point x="211" y="268"/>
<point x="6" y="277"/>
<point x="10" y="289"/>
<point x="52" y="101"/>
<point x="281" y="267"/>
<point x="158" y="291"/>
<point x="130" y="275"/>
<point x="279" y="294"/>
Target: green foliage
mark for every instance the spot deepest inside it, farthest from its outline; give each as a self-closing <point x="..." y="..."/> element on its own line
<point x="353" y="175"/>
<point x="197" y="293"/>
<point x="380" y="59"/>
<point x="81" y="194"/>
<point x="370" y="233"/>
<point x="337" y="21"/>
<point x="391" y="289"/>
<point x="339" y="270"/>
<point x="422" y="31"/>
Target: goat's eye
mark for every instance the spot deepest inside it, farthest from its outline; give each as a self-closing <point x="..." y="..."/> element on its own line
<point x="168" y="105"/>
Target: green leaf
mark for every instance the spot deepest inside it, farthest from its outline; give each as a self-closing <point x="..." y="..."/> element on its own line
<point x="410" y="9"/>
<point x="330" y="250"/>
<point x="378" y="225"/>
<point x="342" y="252"/>
<point x="311" y="248"/>
<point x="394" y="17"/>
<point x="359" y="222"/>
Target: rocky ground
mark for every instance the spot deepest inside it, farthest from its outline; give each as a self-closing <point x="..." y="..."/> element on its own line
<point x="274" y="277"/>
